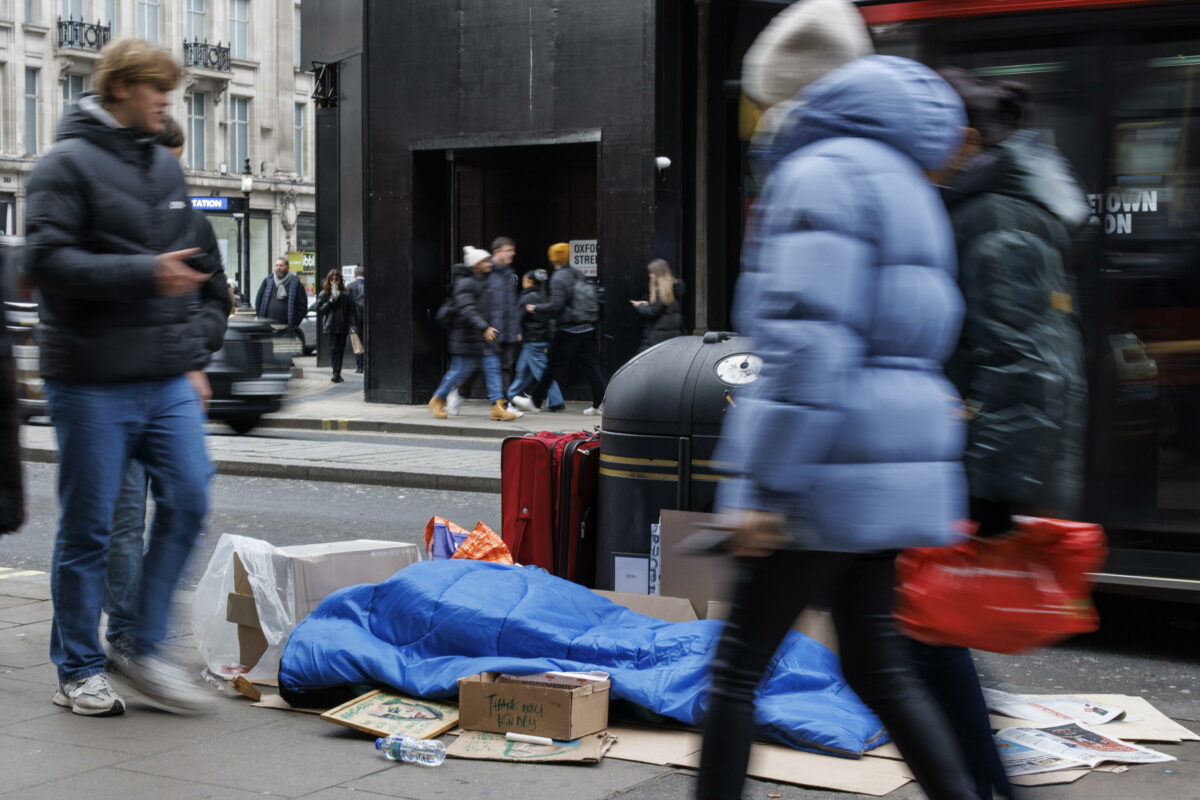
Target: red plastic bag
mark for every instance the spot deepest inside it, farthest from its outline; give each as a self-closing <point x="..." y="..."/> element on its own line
<point x="1005" y="595"/>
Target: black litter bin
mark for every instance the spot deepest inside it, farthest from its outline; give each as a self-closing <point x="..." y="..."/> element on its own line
<point x="662" y="420"/>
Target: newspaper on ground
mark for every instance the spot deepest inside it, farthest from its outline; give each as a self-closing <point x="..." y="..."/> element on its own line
<point x="1019" y="759"/>
<point x="1051" y="710"/>
<point x="1077" y="742"/>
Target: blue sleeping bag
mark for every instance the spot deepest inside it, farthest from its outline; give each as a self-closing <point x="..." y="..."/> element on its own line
<point x="437" y="621"/>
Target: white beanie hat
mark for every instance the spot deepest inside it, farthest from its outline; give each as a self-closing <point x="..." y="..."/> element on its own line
<point x="801" y="45"/>
<point x="473" y="255"/>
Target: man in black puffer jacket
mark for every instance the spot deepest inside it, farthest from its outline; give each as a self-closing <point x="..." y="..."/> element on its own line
<point x="473" y="337"/>
<point x="131" y="308"/>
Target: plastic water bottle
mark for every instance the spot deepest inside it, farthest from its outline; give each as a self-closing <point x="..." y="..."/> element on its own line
<point x="426" y="752"/>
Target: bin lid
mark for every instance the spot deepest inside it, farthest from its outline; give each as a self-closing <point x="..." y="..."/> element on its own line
<point x="680" y="387"/>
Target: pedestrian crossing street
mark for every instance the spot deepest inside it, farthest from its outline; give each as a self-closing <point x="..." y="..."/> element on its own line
<point x="11" y="572"/>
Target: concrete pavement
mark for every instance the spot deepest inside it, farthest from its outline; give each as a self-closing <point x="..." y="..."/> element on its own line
<point x="243" y="751"/>
<point x="315" y="404"/>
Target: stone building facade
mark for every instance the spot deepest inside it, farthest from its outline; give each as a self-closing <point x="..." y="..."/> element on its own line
<point x="245" y="100"/>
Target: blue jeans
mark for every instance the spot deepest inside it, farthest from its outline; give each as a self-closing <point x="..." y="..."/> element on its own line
<point x="125" y="551"/>
<point x="530" y="365"/>
<point x="100" y="427"/>
<point x="463" y="367"/>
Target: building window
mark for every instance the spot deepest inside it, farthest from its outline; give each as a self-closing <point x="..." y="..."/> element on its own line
<point x="72" y="87"/>
<point x="31" y="11"/>
<point x="197" y="19"/>
<point x="239" y="28"/>
<point x="72" y="9"/>
<point x="296" y="37"/>
<point x="110" y="8"/>
<point x="239" y="133"/>
<point x="197" y="105"/>
<point x="298" y="138"/>
<point x="31" y="111"/>
<point x="147" y="20"/>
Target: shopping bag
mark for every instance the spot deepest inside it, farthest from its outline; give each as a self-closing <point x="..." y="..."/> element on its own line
<point x="356" y="343"/>
<point x="444" y="539"/>
<point x="1006" y="595"/>
<point x="484" y="544"/>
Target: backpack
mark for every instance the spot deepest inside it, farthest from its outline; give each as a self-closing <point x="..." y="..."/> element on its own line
<point x="585" y="302"/>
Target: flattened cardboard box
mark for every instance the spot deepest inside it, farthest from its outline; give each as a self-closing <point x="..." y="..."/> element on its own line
<point x="494" y="747"/>
<point x="486" y="703"/>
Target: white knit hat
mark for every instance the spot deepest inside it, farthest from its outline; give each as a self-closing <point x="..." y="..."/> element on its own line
<point x="801" y="45"/>
<point x="473" y="255"/>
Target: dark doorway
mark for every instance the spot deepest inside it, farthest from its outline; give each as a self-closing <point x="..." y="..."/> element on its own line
<point x="535" y="194"/>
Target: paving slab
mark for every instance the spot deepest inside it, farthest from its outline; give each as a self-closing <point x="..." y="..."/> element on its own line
<point x="291" y="757"/>
<point x="496" y="779"/>
<point x="12" y="602"/>
<point x="141" y="730"/>
<point x="31" y="611"/>
<point x="30" y="762"/>
<point x="24" y="701"/>
<point x="114" y="783"/>
<point x="25" y="645"/>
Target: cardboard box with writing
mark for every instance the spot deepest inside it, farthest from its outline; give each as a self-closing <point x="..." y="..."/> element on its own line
<point x="486" y="702"/>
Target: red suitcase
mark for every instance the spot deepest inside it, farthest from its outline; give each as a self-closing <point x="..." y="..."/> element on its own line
<point x="548" y="501"/>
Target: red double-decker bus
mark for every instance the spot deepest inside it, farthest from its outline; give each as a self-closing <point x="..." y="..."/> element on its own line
<point x="1117" y="87"/>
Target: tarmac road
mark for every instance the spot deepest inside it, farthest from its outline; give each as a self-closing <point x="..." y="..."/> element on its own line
<point x="283" y="512"/>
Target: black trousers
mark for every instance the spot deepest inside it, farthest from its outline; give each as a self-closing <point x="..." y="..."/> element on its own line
<point x="568" y="351"/>
<point x="949" y="673"/>
<point x="877" y="662"/>
<point x="337" y="350"/>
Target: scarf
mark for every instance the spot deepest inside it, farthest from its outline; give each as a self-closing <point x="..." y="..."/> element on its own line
<point x="281" y="292"/>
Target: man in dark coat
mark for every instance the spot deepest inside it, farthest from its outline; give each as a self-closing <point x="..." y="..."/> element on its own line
<point x="12" y="498"/>
<point x="281" y="298"/>
<point x="473" y="337"/>
<point x="502" y="294"/>
<point x="358" y="311"/>
<point x="129" y="309"/>
<point x="574" y="345"/>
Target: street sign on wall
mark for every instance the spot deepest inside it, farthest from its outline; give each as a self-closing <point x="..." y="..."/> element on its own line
<point x="585" y="256"/>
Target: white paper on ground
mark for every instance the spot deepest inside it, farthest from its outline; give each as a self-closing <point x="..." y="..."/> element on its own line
<point x="1142" y="723"/>
<point x="1083" y="743"/>
<point x="1051" y="710"/>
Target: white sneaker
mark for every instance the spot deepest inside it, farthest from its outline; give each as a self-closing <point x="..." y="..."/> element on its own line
<point x="525" y="403"/>
<point x="161" y="684"/>
<point x="91" y="696"/>
<point x="593" y="412"/>
<point x="454" y="402"/>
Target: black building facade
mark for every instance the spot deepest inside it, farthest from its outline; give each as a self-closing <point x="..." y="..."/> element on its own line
<point x="445" y="123"/>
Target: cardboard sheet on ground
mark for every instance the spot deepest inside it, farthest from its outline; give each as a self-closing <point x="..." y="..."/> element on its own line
<point x="279" y="704"/>
<point x="494" y="747"/>
<point x="1142" y="723"/>
<point x="874" y="776"/>
<point x="383" y="713"/>
<point x="660" y="746"/>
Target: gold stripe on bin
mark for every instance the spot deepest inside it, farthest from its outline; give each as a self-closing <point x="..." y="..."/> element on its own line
<point x="609" y="458"/>
<point x="645" y="476"/>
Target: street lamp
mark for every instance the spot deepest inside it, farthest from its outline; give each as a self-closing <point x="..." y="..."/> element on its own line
<point x="247" y="187"/>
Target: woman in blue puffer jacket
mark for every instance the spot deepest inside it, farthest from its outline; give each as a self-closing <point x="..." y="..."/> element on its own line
<point x="847" y="449"/>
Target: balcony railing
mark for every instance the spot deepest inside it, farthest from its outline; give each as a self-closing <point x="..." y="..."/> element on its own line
<point x="202" y="55"/>
<point x="80" y="35"/>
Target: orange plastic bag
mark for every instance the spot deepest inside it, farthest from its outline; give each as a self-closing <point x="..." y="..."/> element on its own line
<point x="1006" y="595"/>
<point x="444" y="539"/>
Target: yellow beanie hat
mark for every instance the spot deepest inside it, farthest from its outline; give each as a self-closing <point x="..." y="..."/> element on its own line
<point x="559" y="253"/>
